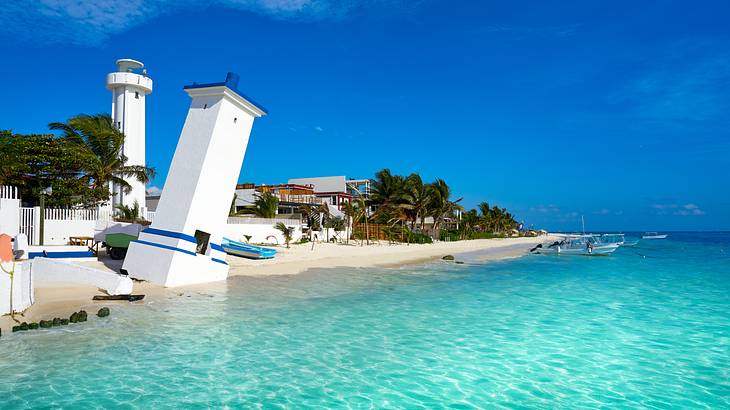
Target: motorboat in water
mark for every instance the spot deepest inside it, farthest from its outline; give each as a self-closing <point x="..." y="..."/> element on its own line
<point x="245" y="250"/>
<point x="654" y="235"/>
<point x="585" y="245"/>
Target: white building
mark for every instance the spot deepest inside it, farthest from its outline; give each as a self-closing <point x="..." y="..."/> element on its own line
<point x="183" y="244"/>
<point x="129" y="89"/>
<point x="336" y="190"/>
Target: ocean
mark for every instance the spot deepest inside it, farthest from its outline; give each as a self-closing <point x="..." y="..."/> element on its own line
<point x="647" y="327"/>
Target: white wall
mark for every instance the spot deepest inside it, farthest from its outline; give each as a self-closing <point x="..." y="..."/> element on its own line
<point x="23" y="294"/>
<point x="57" y="232"/>
<point x="260" y="232"/>
<point x="10" y="216"/>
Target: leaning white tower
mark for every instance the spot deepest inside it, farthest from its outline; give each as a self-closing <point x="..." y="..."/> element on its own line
<point x="129" y="87"/>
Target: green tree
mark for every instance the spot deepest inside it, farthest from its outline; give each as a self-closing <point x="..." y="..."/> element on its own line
<point x="35" y="162"/>
<point x="104" y="161"/>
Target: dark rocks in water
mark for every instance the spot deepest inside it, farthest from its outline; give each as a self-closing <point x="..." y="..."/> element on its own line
<point x="74" y="317"/>
<point x="56" y="321"/>
<point x="448" y="258"/>
<point x="103" y="312"/>
<point x="33" y="326"/>
<point x="45" y="324"/>
<point x="83" y="316"/>
<point x="16" y="328"/>
<point x="459" y="262"/>
<point x="64" y="322"/>
<point x="23" y="326"/>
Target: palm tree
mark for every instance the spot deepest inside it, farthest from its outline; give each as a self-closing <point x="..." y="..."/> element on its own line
<point x="128" y="213"/>
<point x="441" y="205"/>
<point x="469" y="221"/>
<point x="265" y="205"/>
<point x="487" y="217"/>
<point x="417" y="196"/>
<point x="285" y="231"/>
<point x="103" y="145"/>
<point x="387" y="192"/>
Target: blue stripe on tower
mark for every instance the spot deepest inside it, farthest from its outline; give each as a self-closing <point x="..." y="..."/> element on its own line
<point x="171" y="234"/>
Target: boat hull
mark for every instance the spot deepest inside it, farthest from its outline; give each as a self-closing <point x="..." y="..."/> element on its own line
<point x="654" y="237"/>
<point x="247" y="251"/>
<point x="602" y="250"/>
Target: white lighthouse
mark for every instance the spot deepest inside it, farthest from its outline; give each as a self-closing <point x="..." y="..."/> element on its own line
<point x="183" y="245"/>
<point x="129" y="87"/>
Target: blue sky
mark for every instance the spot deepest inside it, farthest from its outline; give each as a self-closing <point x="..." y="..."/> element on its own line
<point x="619" y="111"/>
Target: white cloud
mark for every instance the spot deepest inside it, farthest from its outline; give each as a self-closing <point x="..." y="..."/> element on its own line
<point x="93" y="22"/>
<point x="318" y="128"/>
<point x="689" y="209"/>
<point x="545" y="209"/>
<point x="153" y="190"/>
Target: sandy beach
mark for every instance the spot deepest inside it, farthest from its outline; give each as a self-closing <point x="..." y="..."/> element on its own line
<point x="64" y="299"/>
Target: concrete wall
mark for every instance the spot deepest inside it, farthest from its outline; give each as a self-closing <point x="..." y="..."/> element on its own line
<point x="23" y="294"/>
<point x="57" y="232"/>
<point x="261" y="232"/>
<point x="10" y="216"/>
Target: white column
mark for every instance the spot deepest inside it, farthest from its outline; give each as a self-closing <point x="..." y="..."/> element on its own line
<point x="129" y="90"/>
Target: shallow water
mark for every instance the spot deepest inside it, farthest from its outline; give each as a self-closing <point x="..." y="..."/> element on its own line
<point x="647" y="327"/>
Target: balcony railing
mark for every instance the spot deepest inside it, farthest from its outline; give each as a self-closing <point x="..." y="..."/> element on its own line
<point x="299" y="199"/>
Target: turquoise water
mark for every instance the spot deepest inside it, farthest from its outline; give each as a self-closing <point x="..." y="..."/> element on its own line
<point x="648" y="327"/>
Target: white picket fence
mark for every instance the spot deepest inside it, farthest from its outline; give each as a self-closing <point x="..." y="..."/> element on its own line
<point x="27" y="223"/>
<point x="9" y="192"/>
<point x="61" y="223"/>
<point x="99" y="214"/>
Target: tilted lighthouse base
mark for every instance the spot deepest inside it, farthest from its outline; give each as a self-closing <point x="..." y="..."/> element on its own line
<point x="183" y="244"/>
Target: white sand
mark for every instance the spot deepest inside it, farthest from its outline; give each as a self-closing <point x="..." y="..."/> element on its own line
<point x="327" y="255"/>
<point x="62" y="300"/>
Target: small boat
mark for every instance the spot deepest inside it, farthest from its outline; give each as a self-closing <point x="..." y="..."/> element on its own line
<point x="584" y="245"/>
<point x="247" y="251"/>
<point x="654" y="235"/>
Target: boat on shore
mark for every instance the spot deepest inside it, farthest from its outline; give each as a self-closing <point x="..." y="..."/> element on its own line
<point x="583" y="245"/>
<point x="653" y="235"/>
<point x="245" y="250"/>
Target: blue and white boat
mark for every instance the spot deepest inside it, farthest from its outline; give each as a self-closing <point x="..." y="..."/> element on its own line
<point x="654" y="235"/>
<point x="247" y="251"/>
<point x="586" y="245"/>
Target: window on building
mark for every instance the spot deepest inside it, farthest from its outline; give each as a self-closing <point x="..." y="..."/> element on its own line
<point x="136" y="95"/>
<point x="202" y="239"/>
